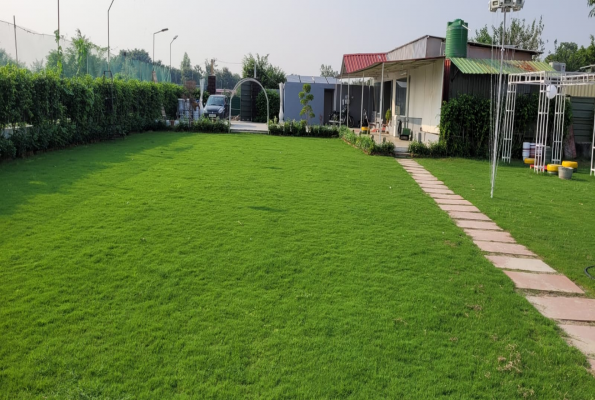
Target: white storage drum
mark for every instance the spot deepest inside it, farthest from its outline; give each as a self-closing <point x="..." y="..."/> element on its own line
<point x="526" y="150"/>
<point x="532" y="147"/>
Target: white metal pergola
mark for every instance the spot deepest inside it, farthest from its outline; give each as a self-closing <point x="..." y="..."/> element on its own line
<point x="551" y="85"/>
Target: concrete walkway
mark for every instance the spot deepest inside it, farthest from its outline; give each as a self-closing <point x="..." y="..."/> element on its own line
<point x="248" y="127"/>
<point x="553" y="294"/>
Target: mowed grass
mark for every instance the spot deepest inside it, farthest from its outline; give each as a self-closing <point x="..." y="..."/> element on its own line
<point x="183" y="266"/>
<point x="552" y="217"/>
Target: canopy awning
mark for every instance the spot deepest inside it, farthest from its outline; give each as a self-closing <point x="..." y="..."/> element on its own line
<point x="375" y="70"/>
<point x="472" y="66"/>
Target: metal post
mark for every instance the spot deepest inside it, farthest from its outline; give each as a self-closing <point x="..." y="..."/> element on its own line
<point x="348" y="101"/>
<point x="109" y="68"/>
<point x="341" y="105"/>
<point x="361" y="122"/>
<point x="163" y="30"/>
<point x="16" y="48"/>
<point x="496" y="131"/>
<point x="58" y="25"/>
<point x="381" y="106"/>
<point x="170" y="58"/>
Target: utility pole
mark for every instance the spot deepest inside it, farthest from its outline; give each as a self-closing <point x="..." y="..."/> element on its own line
<point x="16" y="48"/>
<point x="212" y="66"/>
<point x="108" y="43"/>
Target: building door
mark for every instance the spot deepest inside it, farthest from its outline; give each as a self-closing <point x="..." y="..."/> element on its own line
<point x="401" y="98"/>
<point x="329" y="96"/>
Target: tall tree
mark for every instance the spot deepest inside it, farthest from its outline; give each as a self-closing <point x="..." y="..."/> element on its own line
<point x="186" y="68"/>
<point x="305" y="98"/>
<point x="591" y="3"/>
<point x="136" y="54"/>
<point x="267" y="74"/>
<point x="328" y="72"/>
<point x="566" y="53"/>
<point x="518" y="33"/>
<point x="572" y="55"/>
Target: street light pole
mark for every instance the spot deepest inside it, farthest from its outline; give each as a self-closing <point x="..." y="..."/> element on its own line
<point x="170" y="57"/>
<point x="163" y="30"/>
<point x="108" y="42"/>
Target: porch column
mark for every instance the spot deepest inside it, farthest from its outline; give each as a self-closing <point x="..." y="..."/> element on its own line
<point x="348" y="100"/>
<point x="394" y="107"/>
<point x="361" y="118"/>
<point x="381" y="106"/>
<point x="341" y="104"/>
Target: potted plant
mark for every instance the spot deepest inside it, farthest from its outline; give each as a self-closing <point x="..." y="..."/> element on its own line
<point x="388" y="117"/>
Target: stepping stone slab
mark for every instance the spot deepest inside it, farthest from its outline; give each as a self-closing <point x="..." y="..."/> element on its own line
<point x="472" y="209"/>
<point x="433" y="185"/>
<point x="521" y="264"/>
<point x="547" y="283"/>
<point x="486" y="226"/>
<point x="565" y="308"/>
<point x="504" y="248"/>
<point x="468" y="215"/>
<point x="428" y="177"/>
<point x="453" y="202"/>
<point x="437" y="191"/>
<point x="490" y="236"/>
<point x="583" y="337"/>
<point x="445" y="196"/>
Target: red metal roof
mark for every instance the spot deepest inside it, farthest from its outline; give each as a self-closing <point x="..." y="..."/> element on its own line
<point x="357" y="62"/>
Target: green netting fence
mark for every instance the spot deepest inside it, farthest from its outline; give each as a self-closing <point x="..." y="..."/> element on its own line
<point x="37" y="52"/>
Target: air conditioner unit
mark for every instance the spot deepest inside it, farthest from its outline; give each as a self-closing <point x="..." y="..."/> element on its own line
<point x="509" y="5"/>
<point x="558" y="66"/>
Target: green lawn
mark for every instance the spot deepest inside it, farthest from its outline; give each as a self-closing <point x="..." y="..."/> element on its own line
<point x="552" y="217"/>
<point x="183" y="266"/>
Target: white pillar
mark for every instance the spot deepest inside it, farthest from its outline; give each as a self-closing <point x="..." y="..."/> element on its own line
<point x="281" y="96"/>
<point x="202" y="89"/>
<point x="361" y="116"/>
<point x="381" y="106"/>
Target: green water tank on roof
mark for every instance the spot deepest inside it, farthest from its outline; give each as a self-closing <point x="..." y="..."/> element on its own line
<point x="457" y="34"/>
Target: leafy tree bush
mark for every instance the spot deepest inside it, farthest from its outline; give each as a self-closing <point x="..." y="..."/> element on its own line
<point x="261" y="105"/>
<point x="266" y="73"/>
<point x="46" y="111"/>
<point x="305" y="99"/>
<point x="366" y="143"/>
<point x="465" y="124"/>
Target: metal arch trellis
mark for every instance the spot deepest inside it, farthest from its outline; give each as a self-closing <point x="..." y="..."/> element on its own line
<point x="545" y="80"/>
<point x="233" y="93"/>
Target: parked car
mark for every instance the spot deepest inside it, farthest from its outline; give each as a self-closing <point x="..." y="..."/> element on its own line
<point x="217" y="107"/>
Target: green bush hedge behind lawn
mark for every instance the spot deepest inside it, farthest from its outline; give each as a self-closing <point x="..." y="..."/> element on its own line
<point x="46" y="111"/>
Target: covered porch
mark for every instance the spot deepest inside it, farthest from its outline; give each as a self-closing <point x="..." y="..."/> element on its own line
<point x="411" y="90"/>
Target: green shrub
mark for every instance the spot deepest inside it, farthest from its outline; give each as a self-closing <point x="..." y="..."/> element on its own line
<point x="45" y="111"/>
<point x="366" y="143"/>
<point x="299" y="128"/>
<point x="465" y="124"/>
<point x="436" y="149"/>
<point x="261" y="105"/>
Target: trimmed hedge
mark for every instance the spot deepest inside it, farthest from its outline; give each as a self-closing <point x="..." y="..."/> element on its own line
<point x="367" y="144"/>
<point x="436" y="149"/>
<point x="203" y="125"/>
<point x="300" y="128"/>
<point x="261" y="105"/>
<point x="45" y="111"/>
<point x="465" y="124"/>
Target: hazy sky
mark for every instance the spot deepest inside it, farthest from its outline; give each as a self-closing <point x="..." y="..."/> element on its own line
<point x="298" y="35"/>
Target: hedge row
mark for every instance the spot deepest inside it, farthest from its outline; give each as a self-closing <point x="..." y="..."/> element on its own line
<point x="465" y="124"/>
<point x="436" y="149"/>
<point x="300" y="128"/>
<point x="44" y="111"/>
<point x="366" y="143"/>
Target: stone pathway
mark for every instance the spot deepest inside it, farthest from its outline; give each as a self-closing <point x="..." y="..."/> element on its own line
<point x="553" y="294"/>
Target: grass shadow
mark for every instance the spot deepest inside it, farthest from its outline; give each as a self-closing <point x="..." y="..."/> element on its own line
<point x="55" y="171"/>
